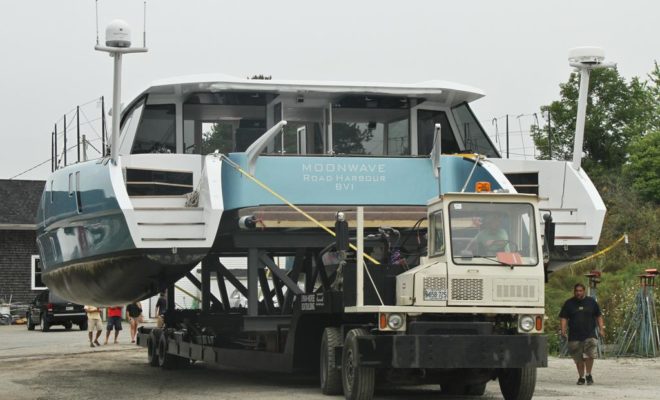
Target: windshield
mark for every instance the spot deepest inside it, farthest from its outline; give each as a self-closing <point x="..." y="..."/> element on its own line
<point x="493" y="233"/>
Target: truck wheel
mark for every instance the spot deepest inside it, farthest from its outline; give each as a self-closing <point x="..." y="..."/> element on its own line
<point x="330" y="375"/>
<point x="30" y="324"/>
<point x="358" y="382"/>
<point x="152" y="350"/>
<point x="166" y="360"/>
<point x="68" y="325"/>
<point x="45" y="325"/>
<point x="518" y="383"/>
<point x="83" y="326"/>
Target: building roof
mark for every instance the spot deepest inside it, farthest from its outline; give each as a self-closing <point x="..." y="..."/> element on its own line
<point x="19" y="200"/>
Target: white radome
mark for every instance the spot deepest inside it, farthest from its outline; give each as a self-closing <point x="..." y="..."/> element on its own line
<point x="586" y="55"/>
<point x="118" y="34"/>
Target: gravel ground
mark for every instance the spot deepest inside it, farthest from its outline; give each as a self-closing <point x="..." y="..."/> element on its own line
<point x="61" y="365"/>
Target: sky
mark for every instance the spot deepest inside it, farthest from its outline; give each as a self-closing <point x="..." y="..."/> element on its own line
<point x="516" y="51"/>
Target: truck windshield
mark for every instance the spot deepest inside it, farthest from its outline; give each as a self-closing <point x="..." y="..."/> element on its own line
<point x="493" y="234"/>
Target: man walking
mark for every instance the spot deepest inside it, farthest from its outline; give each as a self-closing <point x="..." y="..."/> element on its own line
<point x="93" y="324"/>
<point x="161" y="309"/>
<point x="582" y="314"/>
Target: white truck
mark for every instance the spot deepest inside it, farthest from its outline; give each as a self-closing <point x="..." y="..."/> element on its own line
<point x="472" y="311"/>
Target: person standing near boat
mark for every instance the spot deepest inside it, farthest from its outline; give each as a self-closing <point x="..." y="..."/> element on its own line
<point x="114" y="322"/>
<point x="581" y="314"/>
<point x="134" y="312"/>
<point x="161" y="308"/>
<point x="94" y="323"/>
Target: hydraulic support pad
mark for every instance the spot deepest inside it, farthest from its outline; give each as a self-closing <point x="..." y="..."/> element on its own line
<point x="453" y="351"/>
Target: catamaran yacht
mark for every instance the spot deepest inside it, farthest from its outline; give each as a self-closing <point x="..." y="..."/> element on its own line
<point x="199" y="159"/>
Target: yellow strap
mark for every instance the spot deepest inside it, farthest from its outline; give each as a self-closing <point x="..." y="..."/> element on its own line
<point x="600" y="253"/>
<point x="288" y="203"/>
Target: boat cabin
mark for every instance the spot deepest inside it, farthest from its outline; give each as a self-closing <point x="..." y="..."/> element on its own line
<point x="198" y="115"/>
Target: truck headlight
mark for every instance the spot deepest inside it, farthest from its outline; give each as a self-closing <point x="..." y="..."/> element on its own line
<point x="395" y="321"/>
<point x="526" y="323"/>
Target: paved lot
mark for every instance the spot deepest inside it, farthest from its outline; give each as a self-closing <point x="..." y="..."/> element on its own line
<point x="61" y="365"/>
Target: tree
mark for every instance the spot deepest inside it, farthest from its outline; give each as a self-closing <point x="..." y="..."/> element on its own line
<point x="643" y="168"/>
<point x="617" y="112"/>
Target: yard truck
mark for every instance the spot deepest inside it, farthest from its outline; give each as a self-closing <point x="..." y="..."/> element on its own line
<point x="356" y="310"/>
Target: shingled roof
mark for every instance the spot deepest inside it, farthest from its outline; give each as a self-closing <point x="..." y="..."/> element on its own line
<point x="19" y="200"/>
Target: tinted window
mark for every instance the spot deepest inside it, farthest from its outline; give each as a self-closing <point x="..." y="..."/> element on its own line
<point x="426" y="120"/>
<point x="156" y="132"/>
<point x="472" y="134"/>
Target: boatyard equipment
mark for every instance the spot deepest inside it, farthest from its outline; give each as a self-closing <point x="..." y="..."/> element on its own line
<point x="640" y="334"/>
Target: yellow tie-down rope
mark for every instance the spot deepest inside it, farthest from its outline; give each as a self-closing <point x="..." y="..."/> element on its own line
<point x="600" y="253"/>
<point x="288" y="203"/>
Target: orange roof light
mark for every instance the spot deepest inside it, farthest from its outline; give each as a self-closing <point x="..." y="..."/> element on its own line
<point x="482" y="187"/>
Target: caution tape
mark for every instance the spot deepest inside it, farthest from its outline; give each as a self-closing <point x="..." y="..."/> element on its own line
<point x="600" y="253"/>
<point x="288" y="203"/>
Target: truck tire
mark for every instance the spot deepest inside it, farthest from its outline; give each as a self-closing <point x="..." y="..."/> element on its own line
<point x="83" y="325"/>
<point x="517" y="383"/>
<point x="329" y="374"/>
<point x="166" y="360"/>
<point x="30" y="324"/>
<point x="68" y="325"/>
<point x="152" y="350"/>
<point x="358" y="382"/>
<point x="45" y="325"/>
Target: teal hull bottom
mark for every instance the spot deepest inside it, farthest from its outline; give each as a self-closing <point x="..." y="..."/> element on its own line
<point x="121" y="278"/>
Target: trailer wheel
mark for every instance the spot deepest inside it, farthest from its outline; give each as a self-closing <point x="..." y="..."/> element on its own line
<point x="152" y="350"/>
<point x="330" y="374"/>
<point x="165" y="360"/>
<point x="518" y="383"/>
<point x="358" y="382"/>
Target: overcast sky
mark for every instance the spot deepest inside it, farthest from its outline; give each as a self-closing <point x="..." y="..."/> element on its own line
<point x="514" y="50"/>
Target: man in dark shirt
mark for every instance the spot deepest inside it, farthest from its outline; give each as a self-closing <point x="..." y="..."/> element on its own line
<point x="161" y="308"/>
<point x="582" y="314"/>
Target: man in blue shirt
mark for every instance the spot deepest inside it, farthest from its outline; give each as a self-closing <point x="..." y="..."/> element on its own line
<point x="581" y="314"/>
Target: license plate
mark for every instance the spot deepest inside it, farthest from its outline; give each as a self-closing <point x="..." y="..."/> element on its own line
<point x="435" y="294"/>
<point x="70" y="308"/>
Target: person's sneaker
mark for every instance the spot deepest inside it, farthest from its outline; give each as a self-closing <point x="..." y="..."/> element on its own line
<point x="590" y="380"/>
<point x="96" y="342"/>
<point x="91" y="344"/>
<point x="580" y="381"/>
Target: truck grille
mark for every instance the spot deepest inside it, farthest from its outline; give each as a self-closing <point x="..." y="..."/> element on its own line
<point x="467" y="289"/>
<point x="435" y="288"/>
<point x="515" y="291"/>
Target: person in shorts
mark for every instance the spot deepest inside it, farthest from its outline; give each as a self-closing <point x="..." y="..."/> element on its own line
<point x="134" y="313"/>
<point x="581" y="314"/>
<point x="94" y="323"/>
<point x="114" y="322"/>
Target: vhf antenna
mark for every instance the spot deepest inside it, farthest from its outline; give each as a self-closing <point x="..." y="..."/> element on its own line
<point x="97" y="22"/>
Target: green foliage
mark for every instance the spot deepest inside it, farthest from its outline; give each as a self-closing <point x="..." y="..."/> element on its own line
<point x="643" y="169"/>
<point x="617" y="112"/>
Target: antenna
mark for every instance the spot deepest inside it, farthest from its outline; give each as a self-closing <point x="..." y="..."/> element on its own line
<point x="144" y="25"/>
<point x="97" y="21"/>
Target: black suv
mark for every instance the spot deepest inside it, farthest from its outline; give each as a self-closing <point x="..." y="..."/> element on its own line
<point x="47" y="310"/>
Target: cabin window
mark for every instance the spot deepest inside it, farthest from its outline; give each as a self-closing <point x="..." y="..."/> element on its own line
<point x="437" y="234"/>
<point x="371" y="125"/>
<point x="426" y="120"/>
<point x="227" y="122"/>
<point x="303" y="133"/>
<point x="37" y="283"/>
<point x="156" y="131"/>
<point x="475" y="139"/>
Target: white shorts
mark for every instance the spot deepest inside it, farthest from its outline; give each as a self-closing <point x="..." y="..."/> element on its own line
<point x="94" y="325"/>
